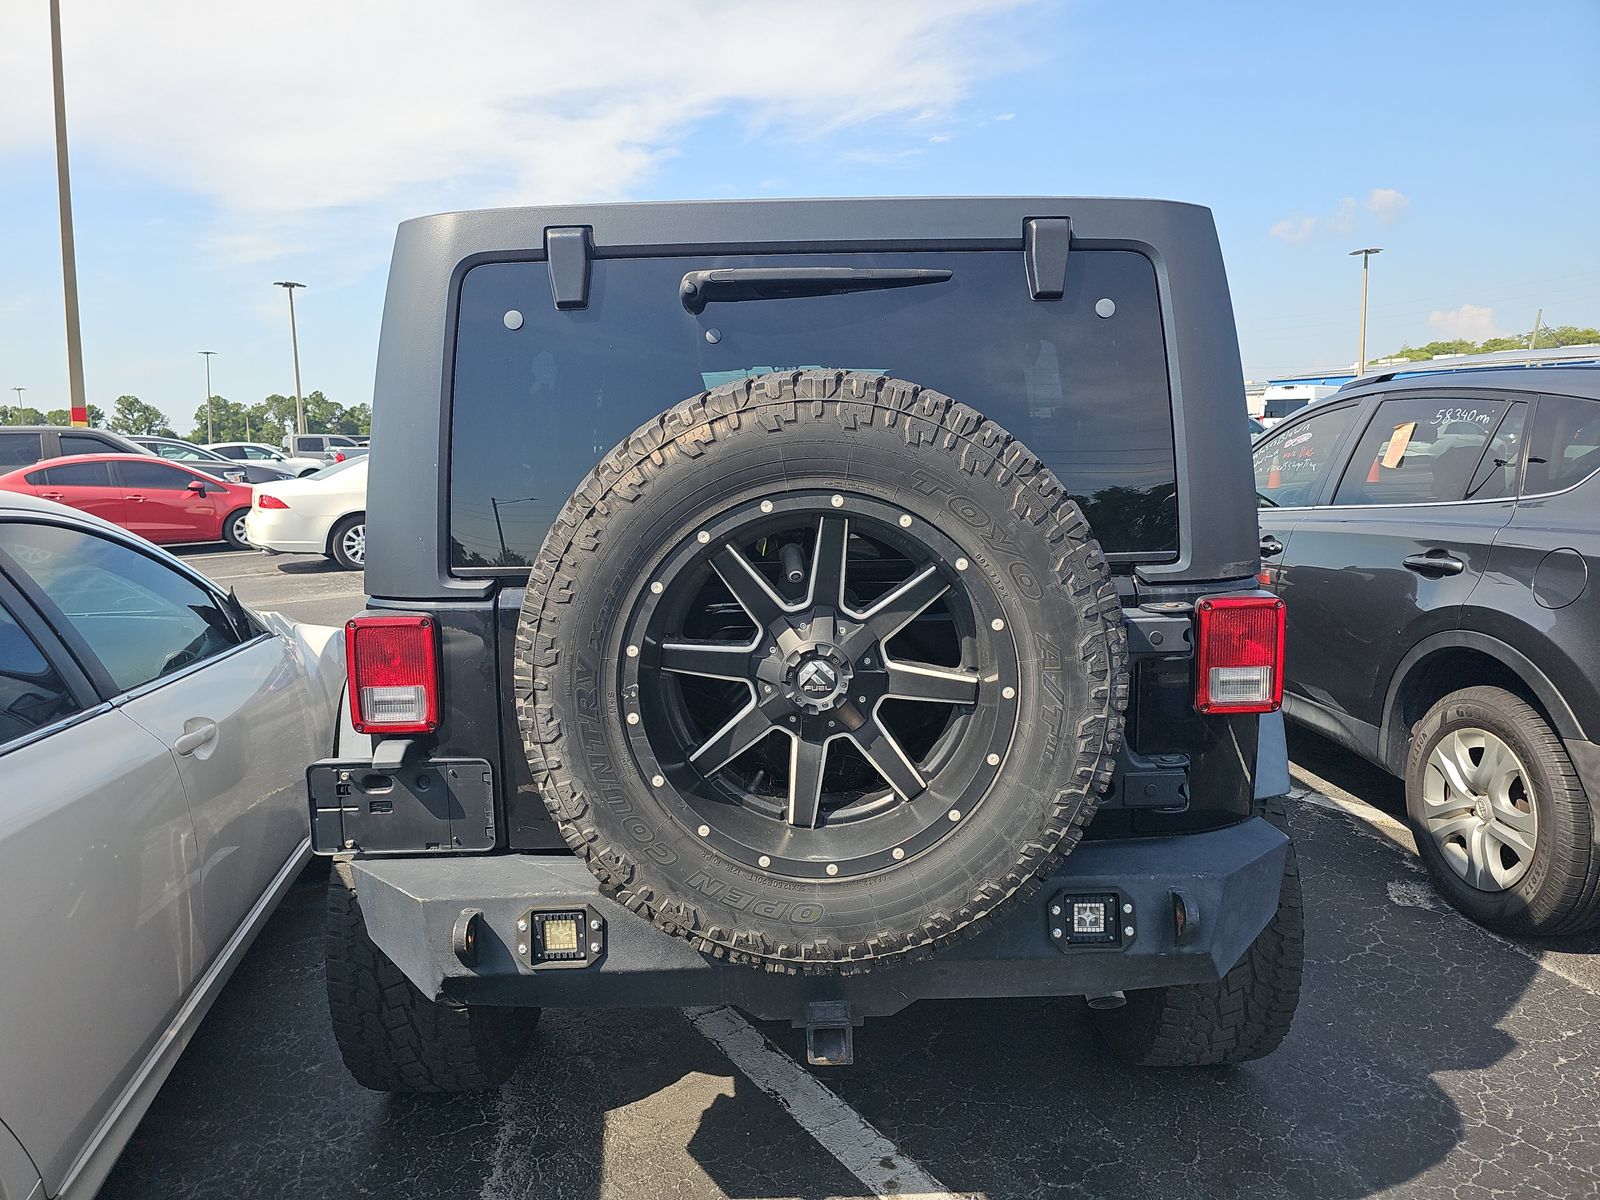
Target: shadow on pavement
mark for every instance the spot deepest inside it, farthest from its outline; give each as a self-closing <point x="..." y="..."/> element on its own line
<point x="1425" y="1055"/>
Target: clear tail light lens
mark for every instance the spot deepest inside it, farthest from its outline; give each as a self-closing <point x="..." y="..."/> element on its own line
<point x="394" y="674"/>
<point x="265" y="501"/>
<point x="1239" y="660"/>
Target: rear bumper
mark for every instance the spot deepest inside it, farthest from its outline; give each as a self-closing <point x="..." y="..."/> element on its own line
<point x="1230" y="878"/>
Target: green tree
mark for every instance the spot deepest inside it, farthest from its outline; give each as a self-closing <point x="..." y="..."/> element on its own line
<point x="230" y="420"/>
<point x="1550" y="337"/>
<point x="63" y="416"/>
<point x="134" y="416"/>
<point x="14" y="414"/>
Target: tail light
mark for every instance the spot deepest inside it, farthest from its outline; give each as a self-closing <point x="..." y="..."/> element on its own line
<point x="394" y="674"/>
<point x="263" y="500"/>
<point x="1239" y="667"/>
<point x="338" y="456"/>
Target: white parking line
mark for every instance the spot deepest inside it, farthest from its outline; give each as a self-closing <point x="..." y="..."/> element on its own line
<point x="837" y="1128"/>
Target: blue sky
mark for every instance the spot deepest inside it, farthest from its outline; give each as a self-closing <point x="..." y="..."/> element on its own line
<point x="219" y="148"/>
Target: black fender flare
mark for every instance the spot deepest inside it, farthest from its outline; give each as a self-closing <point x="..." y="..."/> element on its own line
<point x="1392" y="736"/>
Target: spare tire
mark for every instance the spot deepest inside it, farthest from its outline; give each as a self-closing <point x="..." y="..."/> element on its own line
<point x="819" y="670"/>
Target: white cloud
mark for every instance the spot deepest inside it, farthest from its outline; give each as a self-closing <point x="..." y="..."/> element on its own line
<point x="1294" y="230"/>
<point x="1472" y="322"/>
<point x="1387" y="204"/>
<point x="939" y="139"/>
<point x="1005" y="116"/>
<point x="299" y="118"/>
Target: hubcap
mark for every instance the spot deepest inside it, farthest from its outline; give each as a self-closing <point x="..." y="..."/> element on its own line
<point x="1477" y="805"/>
<point x="355" y="544"/>
<point x="818" y="686"/>
<point x="238" y="529"/>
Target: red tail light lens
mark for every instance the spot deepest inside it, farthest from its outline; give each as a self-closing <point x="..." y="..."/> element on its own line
<point x="265" y="501"/>
<point x="1239" y="664"/>
<point x="338" y="456"/>
<point x="394" y="674"/>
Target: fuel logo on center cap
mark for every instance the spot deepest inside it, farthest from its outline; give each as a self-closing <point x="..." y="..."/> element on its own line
<point x="818" y="679"/>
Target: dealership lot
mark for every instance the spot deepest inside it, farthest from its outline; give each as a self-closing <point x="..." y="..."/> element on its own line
<point x="1429" y="1057"/>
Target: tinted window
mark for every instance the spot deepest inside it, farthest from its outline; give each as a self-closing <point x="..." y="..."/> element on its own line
<point x="140" y="618"/>
<point x="32" y="694"/>
<point x="87" y="443"/>
<point x="308" y="445"/>
<point x="1419" y="450"/>
<point x="236" y="452"/>
<point x="19" y="449"/>
<point x="1564" y="446"/>
<point x="139" y="473"/>
<point x="1497" y="471"/>
<point x="536" y="408"/>
<point x="84" y="474"/>
<point x="1291" y="464"/>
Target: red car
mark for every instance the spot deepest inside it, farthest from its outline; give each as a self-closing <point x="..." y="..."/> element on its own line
<point x="156" y="499"/>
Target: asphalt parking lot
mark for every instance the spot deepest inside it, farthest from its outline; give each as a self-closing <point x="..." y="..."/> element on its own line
<point x="1428" y="1058"/>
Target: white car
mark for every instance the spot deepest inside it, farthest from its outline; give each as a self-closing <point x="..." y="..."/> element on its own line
<point x="153" y="739"/>
<point x="256" y="452"/>
<point x="322" y="513"/>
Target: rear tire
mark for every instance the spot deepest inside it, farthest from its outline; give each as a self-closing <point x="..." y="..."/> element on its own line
<point x="1245" y="1015"/>
<point x="1556" y="891"/>
<point x="233" y="529"/>
<point x="347" y="544"/>
<point x="393" y="1038"/>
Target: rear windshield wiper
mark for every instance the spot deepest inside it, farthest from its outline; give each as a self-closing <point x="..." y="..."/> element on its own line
<point x="700" y="288"/>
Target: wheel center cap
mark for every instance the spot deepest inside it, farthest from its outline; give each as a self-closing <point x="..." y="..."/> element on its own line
<point x="819" y="679"/>
<point x="1481" y="807"/>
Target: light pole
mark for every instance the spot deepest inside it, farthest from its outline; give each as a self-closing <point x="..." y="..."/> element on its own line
<point x="294" y="343"/>
<point x="211" y="434"/>
<point x="1366" y="255"/>
<point x="69" y="257"/>
<point x="19" y="391"/>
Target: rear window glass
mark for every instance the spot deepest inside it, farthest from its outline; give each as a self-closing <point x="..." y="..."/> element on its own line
<point x="1565" y="446"/>
<point x="541" y="394"/>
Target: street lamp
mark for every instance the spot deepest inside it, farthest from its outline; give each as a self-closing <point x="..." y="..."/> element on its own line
<point x="19" y="391"/>
<point x="294" y="342"/>
<point x="211" y="434"/>
<point x="1366" y="255"/>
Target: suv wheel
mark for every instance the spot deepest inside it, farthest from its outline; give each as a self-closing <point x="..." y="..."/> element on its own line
<point x="392" y="1037"/>
<point x="347" y="544"/>
<point x="1500" y="819"/>
<point x="820" y="670"/>
<point x="1242" y="1016"/>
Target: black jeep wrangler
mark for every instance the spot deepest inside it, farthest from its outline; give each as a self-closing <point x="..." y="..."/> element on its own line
<point x="813" y="607"/>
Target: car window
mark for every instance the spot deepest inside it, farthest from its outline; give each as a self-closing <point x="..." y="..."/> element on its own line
<point x="256" y="452"/>
<point x="1497" y="471"/>
<point x="32" y="693"/>
<point x="233" y="452"/>
<point x="1419" y="450"/>
<point x="140" y="473"/>
<point x="1291" y="465"/>
<point x="19" y="449"/>
<point x="140" y="618"/>
<point x="1564" y="444"/>
<point x="83" y="474"/>
<point x="1088" y="393"/>
<point x="335" y="440"/>
<point x="308" y="445"/>
<point x="183" y="453"/>
<point x="86" y="443"/>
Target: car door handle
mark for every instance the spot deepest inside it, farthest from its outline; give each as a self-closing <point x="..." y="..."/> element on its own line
<point x="188" y="743"/>
<point x="135" y="499"/>
<point x="51" y="495"/>
<point x="1271" y="547"/>
<point x="1435" y="562"/>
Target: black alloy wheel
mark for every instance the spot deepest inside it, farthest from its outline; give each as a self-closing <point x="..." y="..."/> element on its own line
<point x="822" y="684"/>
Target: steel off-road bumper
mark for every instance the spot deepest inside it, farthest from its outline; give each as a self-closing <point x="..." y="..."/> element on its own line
<point x="1224" y="884"/>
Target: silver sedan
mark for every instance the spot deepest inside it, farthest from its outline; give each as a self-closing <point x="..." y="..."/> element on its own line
<point x="153" y="737"/>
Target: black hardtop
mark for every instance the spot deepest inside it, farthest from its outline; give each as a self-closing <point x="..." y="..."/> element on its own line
<point x="408" y="488"/>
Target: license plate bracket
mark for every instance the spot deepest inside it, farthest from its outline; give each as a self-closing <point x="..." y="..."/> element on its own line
<point x="431" y="807"/>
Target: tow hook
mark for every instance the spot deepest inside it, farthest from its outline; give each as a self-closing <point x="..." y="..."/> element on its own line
<point x="829" y="1037"/>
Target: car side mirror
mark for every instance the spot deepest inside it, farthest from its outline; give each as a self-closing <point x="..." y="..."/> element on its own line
<point x="197" y="487"/>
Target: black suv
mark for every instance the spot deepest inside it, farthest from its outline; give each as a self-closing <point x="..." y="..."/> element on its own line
<point x="810" y="606"/>
<point x="1435" y="539"/>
